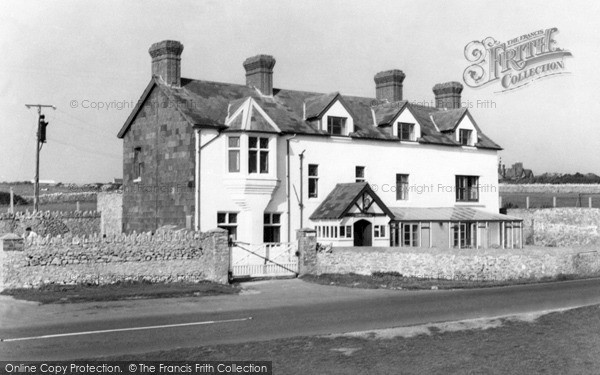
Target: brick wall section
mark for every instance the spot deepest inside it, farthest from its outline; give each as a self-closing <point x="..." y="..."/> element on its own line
<point x="560" y="227"/>
<point x="460" y="264"/>
<point x="169" y="257"/>
<point x="165" y="195"/>
<point x="77" y="223"/>
<point x="110" y="206"/>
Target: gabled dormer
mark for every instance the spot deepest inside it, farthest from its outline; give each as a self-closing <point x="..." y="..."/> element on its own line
<point x="459" y="124"/>
<point x="398" y="120"/>
<point x="246" y="114"/>
<point x="330" y="114"/>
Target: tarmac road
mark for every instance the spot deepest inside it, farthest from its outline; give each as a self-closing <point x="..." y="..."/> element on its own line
<point x="265" y="310"/>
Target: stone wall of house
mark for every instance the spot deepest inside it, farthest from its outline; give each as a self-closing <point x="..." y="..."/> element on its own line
<point x="456" y="264"/>
<point x="53" y="223"/>
<point x="165" y="257"/>
<point x="164" y="195"/>
<point x="560" y="227"/>
<point x="110" y="206"/>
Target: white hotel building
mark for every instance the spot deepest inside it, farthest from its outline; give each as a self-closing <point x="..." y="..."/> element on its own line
<point x="263" y="162"/>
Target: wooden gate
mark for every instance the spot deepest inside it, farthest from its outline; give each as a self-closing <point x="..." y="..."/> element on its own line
<point x="263" y="260"/>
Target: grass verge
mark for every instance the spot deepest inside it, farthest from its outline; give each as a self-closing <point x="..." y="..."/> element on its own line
<point x="394" y="280"/>
<point x="565" y="342"/>
<point x="126" y="290"/>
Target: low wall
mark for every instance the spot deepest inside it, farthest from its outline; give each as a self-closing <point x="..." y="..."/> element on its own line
<point x="53" y="223"/>
<point x="168" y="257"/>
<point x="560" y="227"/>
<point x="453" y="264"/>
<point x="550" y="188"/>
<point x="110" y="206"/>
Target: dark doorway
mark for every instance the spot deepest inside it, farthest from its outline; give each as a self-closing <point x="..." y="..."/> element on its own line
<point x="363" y="233"/>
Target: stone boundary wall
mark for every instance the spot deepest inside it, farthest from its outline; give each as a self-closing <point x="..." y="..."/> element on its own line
<point x="550" y="188"/>
<point x="164" y="257"/>
<point x="560" y="227"/>
<point x="459" y="264"/>
<point x="54" y="223"/>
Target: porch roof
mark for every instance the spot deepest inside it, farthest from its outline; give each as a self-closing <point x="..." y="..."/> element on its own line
<point x="339" y="201"/>
<point x="447" y="214"/>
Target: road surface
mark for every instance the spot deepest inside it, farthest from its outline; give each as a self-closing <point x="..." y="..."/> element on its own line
<point x="266" y="310"/>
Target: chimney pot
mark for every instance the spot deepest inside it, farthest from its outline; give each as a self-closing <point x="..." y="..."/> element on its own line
<point x="166" y="61"/>
<point x="388" y="85"/>
<point x="447" y="95"/>
<point x="259" y="73"/>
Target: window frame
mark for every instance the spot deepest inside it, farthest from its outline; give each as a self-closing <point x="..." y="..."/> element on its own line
<point x="402" y="186"/>
<point x="469" y="139"/>
<point x="412" y="134"/>
<point x="359" y="177"/>
<point x="314" y="179"/>
<point x="270" y="223"/>
<point x="236" y="150"/>
<point x="138" y="164"/>
<point x="231" y="226"/>
<point x="467" y="188"/>
<point x="379" y="231"/>
<point x="258" y="155"/>
<point x="413" y="235"/>
<point x="331" y="126"/>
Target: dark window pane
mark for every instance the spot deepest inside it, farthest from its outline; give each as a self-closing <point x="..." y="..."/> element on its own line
<point x="252" y="141"/>
<point x="221" y="218"/>
<point x="267" y="218"/>
<point x="232" y="218"/>
<point x="264" y="162"/>
<point x="264" y="143"/>
<point x="313" y="187"/>
<point x="276" y="218"/>
<point x="313" y="170"/>
<point x="252" y="167"/>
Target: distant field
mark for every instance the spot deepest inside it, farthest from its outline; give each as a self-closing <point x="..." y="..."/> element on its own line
<point x="62" y="206"/>
<point x="544" y="200"/>
<point x="26" y="191"/>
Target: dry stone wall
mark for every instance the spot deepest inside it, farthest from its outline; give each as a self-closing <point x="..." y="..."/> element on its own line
<point x="465" y="264"/>
<point x="53" y="223"/>
<point x="165" y="257"/>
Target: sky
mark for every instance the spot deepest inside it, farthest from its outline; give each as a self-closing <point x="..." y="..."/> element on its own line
<point x="79" y="56"/>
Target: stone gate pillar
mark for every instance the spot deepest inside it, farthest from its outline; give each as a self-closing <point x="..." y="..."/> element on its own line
<point x="307" y="251"/>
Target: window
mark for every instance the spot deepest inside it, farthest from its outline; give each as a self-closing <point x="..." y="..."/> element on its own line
<point x="467" y="188"/>
<point x="345" y="231"/>
<point x="464" y="136"/>
<point x="401" y="187"/>
<point x="272" y="227"/>
<point x="360" y="174"/>
<point x="379" y="231"/>
<point x="228" y="221"/>
<point x="462" y="235"/>
<point x="336" y="125"/>
<point x="406" y="131"/>
<point x="258" y="155"/>
<point x="313" y="180"/>
<point x="234" y="154"/>
<point x="138" y="165"/>
<point x="410" y="234"/>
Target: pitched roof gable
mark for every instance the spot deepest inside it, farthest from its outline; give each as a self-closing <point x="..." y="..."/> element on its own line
<point x="342" y="198"/>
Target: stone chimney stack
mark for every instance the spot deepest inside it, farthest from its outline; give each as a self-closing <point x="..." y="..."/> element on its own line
<point x="388" y="85"/>
<point x="447" y="95"/>
<point x="166" y="61"/>
<point x="259" y="73"/>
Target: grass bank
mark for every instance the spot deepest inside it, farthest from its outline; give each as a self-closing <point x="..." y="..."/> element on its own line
<point x="120" y="291"/>
<point x="394" y="280"/>
<point x="565" y="342"/>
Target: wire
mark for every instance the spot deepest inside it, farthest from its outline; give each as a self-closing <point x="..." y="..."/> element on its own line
<point x="86" y="149"/>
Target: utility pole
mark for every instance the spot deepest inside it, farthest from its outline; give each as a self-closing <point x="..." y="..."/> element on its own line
<point x="40" y="140"/>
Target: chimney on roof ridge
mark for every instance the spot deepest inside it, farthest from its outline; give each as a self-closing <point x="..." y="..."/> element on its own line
<point x="447" y="95"/>
<point x="259" y="73"/>
<point x="388" y="85"/>
<point x="166" y="61"/>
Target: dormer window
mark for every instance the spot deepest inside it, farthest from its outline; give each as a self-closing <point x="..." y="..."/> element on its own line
<point x="465" y="137"/>
<point x="406" y="131"/>
<point x="336" y="125"/>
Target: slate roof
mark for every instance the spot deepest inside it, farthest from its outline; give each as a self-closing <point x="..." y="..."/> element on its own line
<point x="447" y="214"/>
<point x="208" y="104"/>
<point x="341" y="199"/>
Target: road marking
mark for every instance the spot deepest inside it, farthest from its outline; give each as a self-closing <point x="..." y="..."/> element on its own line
<point x="126" y="329"/>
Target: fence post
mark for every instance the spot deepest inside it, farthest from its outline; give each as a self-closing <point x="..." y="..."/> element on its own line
<point x="527" y="202"/>
<point x="554" y="201"/>
<point x="590" y="202"/>
<point x="12" y="201"/>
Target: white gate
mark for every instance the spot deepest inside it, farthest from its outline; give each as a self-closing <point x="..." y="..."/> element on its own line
<point x="263" y="260"/>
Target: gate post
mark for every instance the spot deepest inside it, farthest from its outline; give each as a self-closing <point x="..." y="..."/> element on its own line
<point x="307" y="251"/>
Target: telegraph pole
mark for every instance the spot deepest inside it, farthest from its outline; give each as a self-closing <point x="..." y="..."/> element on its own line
<point x="40" y="140"/>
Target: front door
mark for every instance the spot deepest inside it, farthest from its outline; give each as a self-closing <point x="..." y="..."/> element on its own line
<point x="363" y="233"/>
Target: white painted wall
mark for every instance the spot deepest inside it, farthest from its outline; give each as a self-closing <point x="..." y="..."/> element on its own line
<point x="431" y="169"/>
